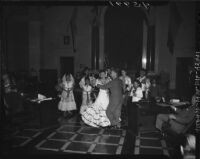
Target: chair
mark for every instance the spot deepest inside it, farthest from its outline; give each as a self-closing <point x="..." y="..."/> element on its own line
<point x="174" y="137"/>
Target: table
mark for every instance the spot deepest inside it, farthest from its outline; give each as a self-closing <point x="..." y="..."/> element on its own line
<point x="46" y="112"/>
<point x="138" y="111"/>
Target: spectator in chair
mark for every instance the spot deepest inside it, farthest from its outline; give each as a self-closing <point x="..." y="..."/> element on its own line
<point x="179" y="120"/>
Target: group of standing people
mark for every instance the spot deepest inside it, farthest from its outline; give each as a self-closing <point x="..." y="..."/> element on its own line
<point x="102" y="109"/>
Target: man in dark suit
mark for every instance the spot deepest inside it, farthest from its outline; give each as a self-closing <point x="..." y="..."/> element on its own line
<point x="179" y="120"/>
<point x="115" y="86"/>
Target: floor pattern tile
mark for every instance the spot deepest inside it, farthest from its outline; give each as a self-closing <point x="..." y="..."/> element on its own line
<point x="151" y="144"/>
<point x="83" y="139"/>
<point x="21" y="138"/>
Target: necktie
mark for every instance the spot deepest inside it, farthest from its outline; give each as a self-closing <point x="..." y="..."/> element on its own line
<point x="68" y="91"/>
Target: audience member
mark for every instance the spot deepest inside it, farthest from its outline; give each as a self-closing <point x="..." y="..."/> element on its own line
<point x="177" y="122"/>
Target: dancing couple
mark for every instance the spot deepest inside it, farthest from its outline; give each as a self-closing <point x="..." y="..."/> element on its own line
<point x="106" y="110"/>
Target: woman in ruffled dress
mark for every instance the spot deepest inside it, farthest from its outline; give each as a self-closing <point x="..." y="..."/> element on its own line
<point x="67" y="103"/>
<point x="86" y="95"/>
<point x="95" y="115"/>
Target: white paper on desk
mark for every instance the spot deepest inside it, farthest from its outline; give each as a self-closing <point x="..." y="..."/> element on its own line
<point x="163" y="105"/>
<point x="179" y="104"/>
<point x="34" y="100"/>
<point x="41" y="97"/>
<point x="45" y="99"/>
<point x="174" y="101"/>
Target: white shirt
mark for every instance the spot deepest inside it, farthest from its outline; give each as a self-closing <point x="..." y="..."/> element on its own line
<point x="138" y="95"/>
<point x="87" y="89"/>
<point x="127" y="81"/>
<point x="82" y="82"/>
<point x="142" y="81"/>
<point x="68" y="85"/>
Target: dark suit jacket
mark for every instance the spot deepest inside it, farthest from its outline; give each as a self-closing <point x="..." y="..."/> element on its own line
<point x="116" y="90"/>
<point x="186" y="116"/>
<point x="183" y="118"/>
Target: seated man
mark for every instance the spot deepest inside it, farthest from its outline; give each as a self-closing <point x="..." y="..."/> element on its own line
<point x="178" y="121"/>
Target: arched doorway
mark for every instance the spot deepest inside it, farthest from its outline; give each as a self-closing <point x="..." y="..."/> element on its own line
<point x="123" y="37"/>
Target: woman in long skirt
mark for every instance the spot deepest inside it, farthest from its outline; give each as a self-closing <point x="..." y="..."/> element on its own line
<point x="67" y="103"/>
<point x="86" y="95"/>
<point x="95" y="115"/>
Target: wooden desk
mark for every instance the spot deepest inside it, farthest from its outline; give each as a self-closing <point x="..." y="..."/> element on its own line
<point x="46" y="112"/>
<point x="141" y="112"/>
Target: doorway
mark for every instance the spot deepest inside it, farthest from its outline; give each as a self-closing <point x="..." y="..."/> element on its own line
<point x="66" y="65"/>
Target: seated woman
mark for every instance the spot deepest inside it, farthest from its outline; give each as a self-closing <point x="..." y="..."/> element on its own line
<point x="95" y="115"/>
<point x="177" y="122"/>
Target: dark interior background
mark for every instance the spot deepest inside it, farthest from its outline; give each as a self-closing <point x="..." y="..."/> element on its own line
<point x="124" y="36"/>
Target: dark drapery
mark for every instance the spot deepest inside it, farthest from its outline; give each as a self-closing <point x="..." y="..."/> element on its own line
<point x="73" y="27"/>
<point x="96" y="11"/>
<point x="174" y="24"/>
<point x="151" y="47"/>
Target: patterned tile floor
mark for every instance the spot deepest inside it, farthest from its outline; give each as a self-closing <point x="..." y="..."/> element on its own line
<point x="83" y="139"/>
<point x="73" y="136"/>
<point x="69" y="136"/>
<point x="22" y="138"/>
<point x="150" y="143"/>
